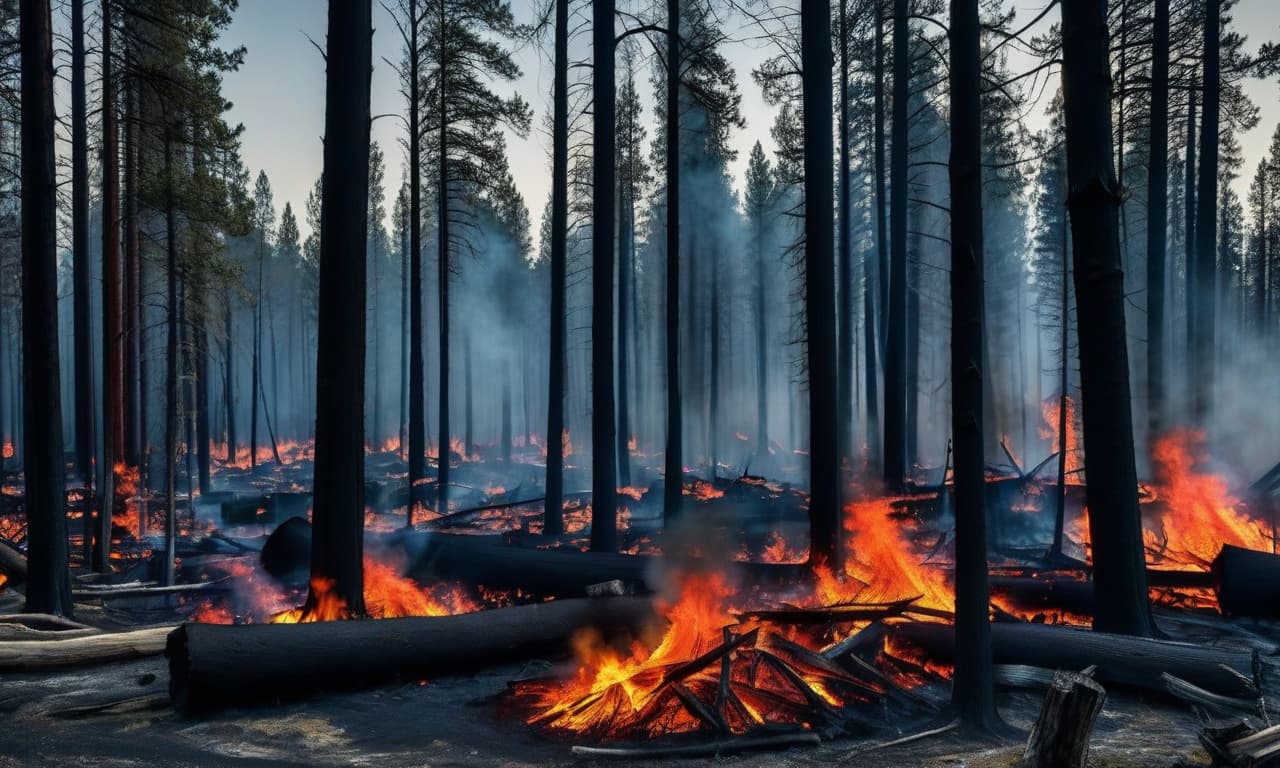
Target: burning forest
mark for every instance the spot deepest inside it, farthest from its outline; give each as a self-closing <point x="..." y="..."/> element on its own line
<point x="888" y="382"/>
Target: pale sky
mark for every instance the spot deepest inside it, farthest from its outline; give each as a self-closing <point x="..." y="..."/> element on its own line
<point x="279" y="96"/>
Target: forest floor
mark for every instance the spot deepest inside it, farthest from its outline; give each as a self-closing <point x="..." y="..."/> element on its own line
<point x="49" y="721"/>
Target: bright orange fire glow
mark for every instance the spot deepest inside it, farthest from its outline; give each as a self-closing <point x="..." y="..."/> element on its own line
<point x="1051" y="411"/>
<point x="1197" y="514"/>
<point x="613" y="690"/>
<point x="7" y="452"/>
<point x="387" y="595"/>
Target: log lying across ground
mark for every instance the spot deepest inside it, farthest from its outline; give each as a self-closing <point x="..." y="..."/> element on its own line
<point x="1121" y="660"/>
<point x="488" y="561"/>
<point x="1247" y="582"/>
<point x="27" y="655"/>
<point x="213" y="666"/>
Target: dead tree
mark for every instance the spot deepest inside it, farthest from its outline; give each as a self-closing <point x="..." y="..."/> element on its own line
<point x="1093" y="198"/>
<point x="820" y="315"/>
<point x="673" y="491"/>
<point x="895" y="362"/>
<point x="337" y="545"/>
<point x="1206" y="253"/>
<point x="604" y="534"/>
<point x="973" y="692"/>
<point x="553" y="505"/>
<point x="113" y="443"/>
<point x="48" y="575"/>
<point x="1158" y="221"/>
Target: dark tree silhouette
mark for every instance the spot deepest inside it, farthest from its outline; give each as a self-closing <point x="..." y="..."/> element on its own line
<point x="113" y="443"/>
<point x="895" y="355"/>
<point x="1093" y="199"/>
<point x="604" y="534"/>
<point x="973" y="688"/>
<point x="819" y="285"/>
<point x="1158" y="218"/>
<point x="1206" y="252"/>
<point x="48" y="575"/>
<point x="673" y="473"/>
<point x="553" y="506"/>
<point x="337" y="543"/>
<point x="82" y="341"/>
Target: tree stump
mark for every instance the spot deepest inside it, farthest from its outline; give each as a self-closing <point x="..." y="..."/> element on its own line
<point x="1060" y="738"/>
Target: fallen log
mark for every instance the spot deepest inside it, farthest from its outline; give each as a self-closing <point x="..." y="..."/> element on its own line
<point x="1247" y="582"/>
<point x="150" y="591"/>
<point x="212" y="666"/>
<point x="41" y="626"/>
<point x="703" y="747"/>
<point x="1122" y="660"/>
<point x="1060" y="737"/>
<point x="27" y="655"/>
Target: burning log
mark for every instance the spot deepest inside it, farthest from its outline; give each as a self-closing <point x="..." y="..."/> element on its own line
<point x="1122" y="660"/>
<point x="27" y="655"/>
<point x="213" y="666"/>
<point x="1060" y="738"/>
<point x="1247" y="582"/>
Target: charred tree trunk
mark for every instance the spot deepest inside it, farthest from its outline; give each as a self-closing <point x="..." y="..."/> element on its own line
<point x="713" y="388"/>
<point x="402" y="432"/>
<point x="881" y="217"/>
<point x="895" y="362"/>
<point x="553" y="512"/>
<point x="1157" y="219"/>
<point x="973" y="690"/>
<point x="506" y="413"/>
<point x="673" y="485"/>
<point x="824" y="459"/>
<point x="1093" y="199"/>
<point x="171" y="403"/>
<point x="846" y="386"/>
<point x="444" y="450"/>
<point x="229" y="385"/>
<point x="132" y="285"/>
<point x="1207" y="221"/>
<point x="762" y="345"/>
<point x="201" y="355"/>
<point x="113" y="444"/>
<point x="623" y="437"/>
<point x="468" y="422"/>
<point x="1189" y="225"/>
<point x="255" y="374"/>
<point x="48" y="575"/>
<point x="337" y="544"/>
<point x="417" y="372"/>
<point x="80" y="278"/>
<point x="604" y="535"/>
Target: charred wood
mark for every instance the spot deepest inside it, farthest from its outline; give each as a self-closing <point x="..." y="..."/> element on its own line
<point x="213" y="666"/>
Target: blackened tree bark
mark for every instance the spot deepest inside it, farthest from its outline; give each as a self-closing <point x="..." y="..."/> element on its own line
<point x="673" y="491"/>
<point x="468" y="422"/>
<point x="824" y="459"/>
<point x="844" y="400"/>
<point x="201" y="353"/>
<point x="442" y="229"/>
<point x="417" y="373"/>
<point x="1207" y="220"/>
<point x="973" y="689"/>
<point x="171" y="402"/>
<point x="895" y="362"/>
<point x="553" y="505"/>
<point x="604" y="535"/>
<point x="1119" y="570"/>
<point x="337" y="542"/>
<point x="48" y="573"/>
<point x="229" y="360"/>
<point x="626" y="223"/>
<point x="113" y="444"/>
<point x="713" y="385"/>
<point x="1157" y="218"/>
<point x="80" y="280"/>
<point x="134" y="422"/>
<point x="1189" y="226"/>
